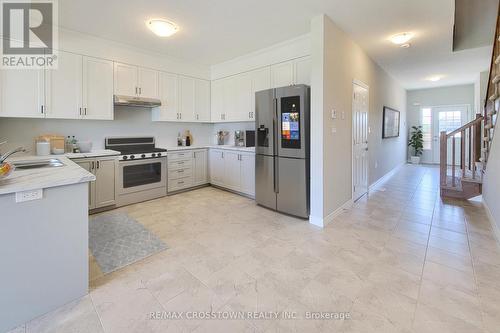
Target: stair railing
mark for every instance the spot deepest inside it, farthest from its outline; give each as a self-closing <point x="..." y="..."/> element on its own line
<point x="470" y="152"/>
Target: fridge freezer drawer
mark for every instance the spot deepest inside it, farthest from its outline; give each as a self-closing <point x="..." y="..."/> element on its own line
<point x="264" y="181"/>
<point x="292" y="186"/>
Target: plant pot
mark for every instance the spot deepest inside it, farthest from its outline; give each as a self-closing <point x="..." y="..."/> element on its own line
<point x="415" y="159"/>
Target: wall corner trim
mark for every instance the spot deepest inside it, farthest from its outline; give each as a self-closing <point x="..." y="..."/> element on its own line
<point x="386" y="176"/>
<point x="496" y="228"/>
<point x="330" y="217"/>
<point x="317" y="221"/>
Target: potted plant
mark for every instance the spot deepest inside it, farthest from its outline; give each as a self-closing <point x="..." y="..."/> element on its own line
<point x="417" y="143"/>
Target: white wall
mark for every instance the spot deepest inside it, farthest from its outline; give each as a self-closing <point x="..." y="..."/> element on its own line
<point x="337" y="60"/>
<point x="128" y="122"/>
<point x="76" y="42"/>
<point x="284" y="51"/>
<point x="453" y="95"/>
<point x="491" y="184"/>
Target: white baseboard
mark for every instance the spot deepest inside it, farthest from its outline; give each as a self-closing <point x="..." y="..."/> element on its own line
<point x="386" y="176"/>
<point x="496" y="229"/>
<point x="321" y="222"/>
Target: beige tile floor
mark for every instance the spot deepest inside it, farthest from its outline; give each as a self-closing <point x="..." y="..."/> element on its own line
<point x="401" y="260"/>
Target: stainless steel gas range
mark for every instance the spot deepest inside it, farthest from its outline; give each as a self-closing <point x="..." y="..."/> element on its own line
<point x="142" y="169"/>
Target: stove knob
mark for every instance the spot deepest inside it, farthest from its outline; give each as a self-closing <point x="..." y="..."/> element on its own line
<point x="153" y="155"/>
<point x="143" y="155"/>
<point x="125" y="157"/>
<point x="159" y="154"/>
<point x="132" y="157"/>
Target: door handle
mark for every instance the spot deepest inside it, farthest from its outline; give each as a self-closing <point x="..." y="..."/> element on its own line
<point x="276" y="173"/>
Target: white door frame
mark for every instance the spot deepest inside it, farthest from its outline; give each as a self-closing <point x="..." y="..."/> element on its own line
<point x="435" y="142"/>
<point x="363" y="85"/>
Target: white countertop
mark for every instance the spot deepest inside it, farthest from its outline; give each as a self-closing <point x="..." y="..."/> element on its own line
<point x="224" y="147"/>
<point x="93" y="153"/>
<point x="40" y="178"/>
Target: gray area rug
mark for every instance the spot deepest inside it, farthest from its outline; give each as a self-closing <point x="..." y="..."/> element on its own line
<point x="117" y="240"/>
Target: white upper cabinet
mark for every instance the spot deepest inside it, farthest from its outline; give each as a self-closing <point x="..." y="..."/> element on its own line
<point x="169" y="95"/>
<point x="186" y="98"/>
<point x="126" y="77"/>
<point x="243" y="107"/>
<point x="292" y="72"/>
<point x="63" y="95"/>
<point x="302" y="71"/>
<point x="217" y="100"/>
<point x="97" y="89"/>
<point x="202" y="100"/>
<point x="80" y="88"/>
<point x="22" y="93"/>
<point x="261" y="80"/>
<point x="136" y="81"/>
<point x="147" y="83"/>
<point x="183" y="99"/>
<point x="282" y="74"/>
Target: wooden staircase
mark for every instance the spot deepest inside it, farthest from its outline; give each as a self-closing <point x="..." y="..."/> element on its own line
<point x="464" y="152"/>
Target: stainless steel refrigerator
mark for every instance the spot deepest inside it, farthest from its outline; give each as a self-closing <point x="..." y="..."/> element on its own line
<point x="282" y="149"/>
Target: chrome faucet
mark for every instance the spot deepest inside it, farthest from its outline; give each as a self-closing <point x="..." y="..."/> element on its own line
<point x="11" y="152"/>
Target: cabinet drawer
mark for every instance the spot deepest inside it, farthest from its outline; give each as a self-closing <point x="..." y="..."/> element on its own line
<point x="180" y="164"/>
<point x="180" y="155"/>
<point x="179" y="184"/>
<point x="179" y="173"/>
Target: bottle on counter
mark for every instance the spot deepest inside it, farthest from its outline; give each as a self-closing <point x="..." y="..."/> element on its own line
<point x="68" y="146"/>
<point x="189" y="138"/>
<point x="179" y="139"/>
<point x="74" y="145"/>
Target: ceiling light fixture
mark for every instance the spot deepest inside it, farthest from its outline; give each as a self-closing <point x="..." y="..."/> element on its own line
<point x="162" y="28"/>
<point x="402" y="38"/>
<point x="405" y="46"/>
<point x="434" y="78"/>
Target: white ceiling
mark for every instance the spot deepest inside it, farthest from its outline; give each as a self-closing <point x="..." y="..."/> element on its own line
<point x="218" y="30"/>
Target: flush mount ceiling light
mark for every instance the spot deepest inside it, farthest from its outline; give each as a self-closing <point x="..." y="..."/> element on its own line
<point x="162" y="28"/>
<point x="402" y="38"/>
<point x="434" y="78"/>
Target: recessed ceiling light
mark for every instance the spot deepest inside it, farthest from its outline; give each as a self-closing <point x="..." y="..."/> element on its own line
<point x="434" y="78"/>
<point x="162" y="28"/>
<point x="402" y="38"/>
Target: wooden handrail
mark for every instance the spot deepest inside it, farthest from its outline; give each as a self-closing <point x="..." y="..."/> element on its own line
<point x="492" y="64"/>
<point x="466" y="126"/>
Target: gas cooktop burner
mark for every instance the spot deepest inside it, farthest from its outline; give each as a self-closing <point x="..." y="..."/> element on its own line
<point x="136" y="148"/>
<point x="131" y="150"/>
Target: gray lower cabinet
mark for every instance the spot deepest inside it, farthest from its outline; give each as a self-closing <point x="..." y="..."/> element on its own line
<point x="102" y="191"/>
<point x="186" y="169"/>
<point x="234" y="170"/>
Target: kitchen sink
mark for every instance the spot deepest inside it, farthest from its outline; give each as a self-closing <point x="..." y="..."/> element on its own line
<point x="36" y="164"/>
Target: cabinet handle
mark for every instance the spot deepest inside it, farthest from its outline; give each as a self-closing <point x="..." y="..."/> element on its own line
<point x="80" y="111"/>
<point x="98" y="164"/>
<point x="41" y="108"/>
<point x="85" y="110"/>
<point x="92" y="167"/>
<point x="140" y="91"/>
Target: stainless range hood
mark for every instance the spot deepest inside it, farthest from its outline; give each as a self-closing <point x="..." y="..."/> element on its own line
<point x="143" y="102"/>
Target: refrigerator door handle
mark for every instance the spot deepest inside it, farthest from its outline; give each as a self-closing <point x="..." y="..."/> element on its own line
<point x="276" y="175"/>
<point x="275" y="127"/>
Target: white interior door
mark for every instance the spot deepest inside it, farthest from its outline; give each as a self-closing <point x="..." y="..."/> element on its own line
<point x="360" y="140"/>
<point x="447" y="118"/>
